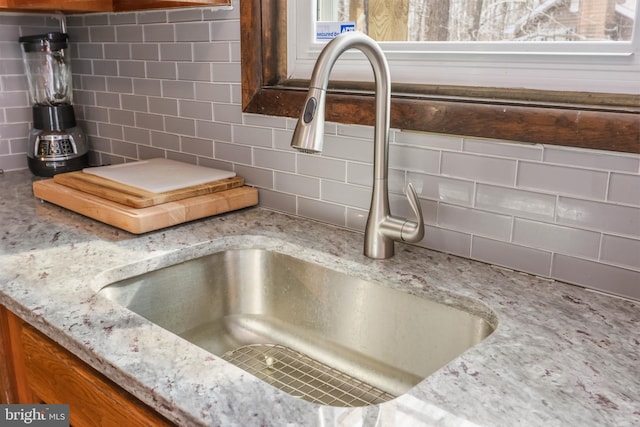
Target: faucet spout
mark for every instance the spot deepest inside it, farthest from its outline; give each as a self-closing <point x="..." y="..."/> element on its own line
<point x="382" y="229"/>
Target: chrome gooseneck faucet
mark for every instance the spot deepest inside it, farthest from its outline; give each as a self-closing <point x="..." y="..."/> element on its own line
<point x="382" y="229"/>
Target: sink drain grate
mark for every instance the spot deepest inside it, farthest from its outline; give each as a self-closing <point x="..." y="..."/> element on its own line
<point x="304" y="377"/>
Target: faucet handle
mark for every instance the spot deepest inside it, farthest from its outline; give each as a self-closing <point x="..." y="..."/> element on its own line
<point x="413" y="231"/>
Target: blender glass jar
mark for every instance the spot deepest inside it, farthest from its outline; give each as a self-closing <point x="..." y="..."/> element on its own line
<point x="48" y="68"/>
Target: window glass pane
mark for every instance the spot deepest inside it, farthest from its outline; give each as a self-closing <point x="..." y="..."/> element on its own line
<point x="485" y="20"/>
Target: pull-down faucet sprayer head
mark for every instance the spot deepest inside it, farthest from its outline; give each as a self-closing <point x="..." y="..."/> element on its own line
<point x="309" y="133"/>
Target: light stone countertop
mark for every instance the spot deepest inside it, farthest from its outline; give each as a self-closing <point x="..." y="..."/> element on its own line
<point x="560" y="356"/>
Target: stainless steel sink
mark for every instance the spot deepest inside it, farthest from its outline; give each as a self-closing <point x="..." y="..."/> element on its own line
<point x="311" y="331"/>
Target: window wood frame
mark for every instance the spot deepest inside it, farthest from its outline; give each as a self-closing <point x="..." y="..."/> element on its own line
<point x="576" y="119"/>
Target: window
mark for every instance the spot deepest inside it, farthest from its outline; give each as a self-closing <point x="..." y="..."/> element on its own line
<point x="589" y="120"/>
<point x="558" y="45"/>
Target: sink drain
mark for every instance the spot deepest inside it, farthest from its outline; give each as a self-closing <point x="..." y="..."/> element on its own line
<point x="304" y="377"/>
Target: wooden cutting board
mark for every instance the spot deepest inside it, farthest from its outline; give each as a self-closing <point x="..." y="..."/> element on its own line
<point x="138" y="197"/>
<point x="142" y="220"/>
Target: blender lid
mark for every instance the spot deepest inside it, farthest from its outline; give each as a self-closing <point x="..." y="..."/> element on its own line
<point x="44" y="42"/>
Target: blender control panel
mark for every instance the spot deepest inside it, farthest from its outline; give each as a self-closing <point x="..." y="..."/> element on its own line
<point x="55" y="146"/>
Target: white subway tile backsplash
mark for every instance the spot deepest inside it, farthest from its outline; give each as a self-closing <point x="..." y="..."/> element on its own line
<point x="227" y="113"/>
<point x="212" y="92"/>
<point x="449" y="241"/>
<point x="176" y="52"/>
<point x="195" y="109"/>
<point x="197" y="146"/>
<point x="358" y="173"/>
<point x="278" y="201"/>
<point x="345" y="194"/>
<point x="414" y="159"/>
<point x="120" y="19"/>
<point x="621" y="251"/>
<point x="149" y="121"/>
<point x="14" y="130"/>
<point x="125" y="149"/>
<point x="356" y="131"/>
<point x="122" y="117"/>
<point x="132" y="68"/>
<point x="258" y="177"/>
<point x="556" y="238"/>
<point x="137" y="135"/>
<point x="599" y="216"/>
<point x="428" y="140"/>
<point x="521" y="203"/>
<point x="295" y="184"/>
<point x="145" y="152"/>
<point x="180" y="125"/>
<point x="595" y="159"/>
<point x="182" y="15"/>
<point x="129" y="33"/>
<point x="356" y="218"/>
<point x="178" y="89"/>
<point x="94" y="83"/>
<point x="196" y="71"/>
<point x="503" y="149"/>
<point x="252" y="135"/>
<point x="517" y="257"/>
<point x="448" y="190"/>
<point x="152" y="17"/>
<point x="134" y="103"/>
<point x="357" y="149"/>
<point x="95" y="114"/>
<point x="161" y="70"/>
<point x="192" y="32"/>
<point x="233" y="153"/>
<point x="563" y="180"/>
<point x="145" y="51"/>
<point x="322" y="211"/>
<point x="225" y="30"/>
<point x="20" y="114"/>
<point x="225" y="72"/>
<point x="90" y="51"/>
<point x="321" y="167"/>
<point x="117" y="51"/>
<point x="102" y="34"/>
<point x="213" y="130"/>
<point x="211" y="52"/>
<point x="479" y="168"/>
<point x="13" y="99"/>
<point x="158" y="33"/>
<point x="166" y="141"/>
<point x="119" y="84"/>
<point x="105" y="67"/>
<point x="607" y="278"/>
<point x="147" y="87"/>
<point x="272" y="159"/>
<point x="624" y="188"/>
<point x="474" y="221"/>
<point x="165" y="106"/>
<point x="268" y="121"/>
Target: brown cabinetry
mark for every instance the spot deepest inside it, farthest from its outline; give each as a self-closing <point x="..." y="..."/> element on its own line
<point x="35" y="369"/>
<point x="103" y="5"/>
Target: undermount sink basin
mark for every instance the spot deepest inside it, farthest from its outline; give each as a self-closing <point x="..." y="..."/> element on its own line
<point x="311" y="331"/>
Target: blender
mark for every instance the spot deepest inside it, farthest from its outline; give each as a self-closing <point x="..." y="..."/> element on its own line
<point x="56" y="143"/>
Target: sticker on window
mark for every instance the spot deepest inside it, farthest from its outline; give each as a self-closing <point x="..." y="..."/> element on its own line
<point x="328" y="30"/>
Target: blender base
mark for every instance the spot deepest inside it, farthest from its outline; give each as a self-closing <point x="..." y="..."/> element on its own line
<point x="49" y="168"/>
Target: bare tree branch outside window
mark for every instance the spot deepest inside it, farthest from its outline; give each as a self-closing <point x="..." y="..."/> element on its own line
<point x="490" y="20"/>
